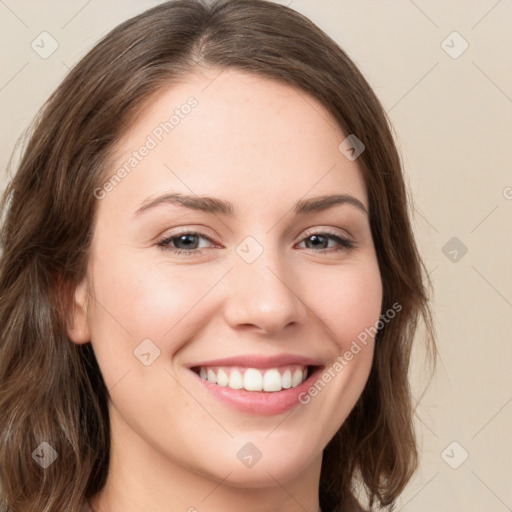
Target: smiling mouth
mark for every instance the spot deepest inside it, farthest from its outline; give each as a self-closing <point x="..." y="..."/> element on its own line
<point x="256" y="379"/>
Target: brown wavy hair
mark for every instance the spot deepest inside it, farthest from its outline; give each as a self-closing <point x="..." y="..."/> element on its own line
<point x="50" y="388"/>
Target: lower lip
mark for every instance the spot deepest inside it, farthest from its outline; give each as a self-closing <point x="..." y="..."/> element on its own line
<point x="262" y="403"/>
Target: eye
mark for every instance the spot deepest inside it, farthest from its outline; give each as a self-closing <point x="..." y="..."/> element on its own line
<point x="319" y="240"/>
<point x="187" y="242"/>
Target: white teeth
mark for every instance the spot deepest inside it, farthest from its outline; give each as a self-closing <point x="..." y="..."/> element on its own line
<point x="296" y="378"/>
<point x="222" y="378"/>
<point x="287" y="379"/>
<point x="253" y="379"/>
<point x="212" y="376"/>
<point x="272" y="381"/>
<point x="236" y="380"/>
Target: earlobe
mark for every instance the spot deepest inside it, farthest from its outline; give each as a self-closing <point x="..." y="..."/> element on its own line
<point x="78" y="326"/>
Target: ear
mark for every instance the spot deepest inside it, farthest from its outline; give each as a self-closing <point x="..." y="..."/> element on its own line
<point x="77" y="324"/>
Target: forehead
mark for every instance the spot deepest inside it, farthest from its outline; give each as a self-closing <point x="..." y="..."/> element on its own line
<point x="227" y="132"/>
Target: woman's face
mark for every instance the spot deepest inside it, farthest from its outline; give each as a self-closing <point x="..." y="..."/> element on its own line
<point x="173" y="288"/>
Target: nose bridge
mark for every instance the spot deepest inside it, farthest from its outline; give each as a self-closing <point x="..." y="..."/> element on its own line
<point x="260" y="291"/>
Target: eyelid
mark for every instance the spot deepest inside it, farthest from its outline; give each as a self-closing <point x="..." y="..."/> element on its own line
<point x="197" y="229"/>
<point x="328" y="230"/>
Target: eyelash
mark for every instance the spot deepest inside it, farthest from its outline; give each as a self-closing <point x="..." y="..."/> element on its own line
<point x="164" y="243"/>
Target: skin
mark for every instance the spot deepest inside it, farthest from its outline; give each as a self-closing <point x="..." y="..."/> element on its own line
<point x="263" y="146"/>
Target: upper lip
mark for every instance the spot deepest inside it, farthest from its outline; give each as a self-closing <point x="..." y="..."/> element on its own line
<point x="259" y="361"/>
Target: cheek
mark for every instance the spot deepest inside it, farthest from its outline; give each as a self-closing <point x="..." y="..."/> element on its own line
<point x="347" y="299"/>
<point x="139" y="299"/>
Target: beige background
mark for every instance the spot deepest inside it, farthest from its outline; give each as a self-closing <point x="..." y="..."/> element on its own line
<point x="453" y="120"/>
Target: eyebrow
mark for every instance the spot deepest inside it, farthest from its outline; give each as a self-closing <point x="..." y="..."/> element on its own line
<point x="221" y="206"/>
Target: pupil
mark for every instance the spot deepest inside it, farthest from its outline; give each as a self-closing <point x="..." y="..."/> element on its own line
<point x="183" y="238"/>
<point x="316" y="238"/>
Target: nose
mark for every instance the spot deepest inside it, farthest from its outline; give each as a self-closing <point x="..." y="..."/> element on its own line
<point x="263" y="294"/>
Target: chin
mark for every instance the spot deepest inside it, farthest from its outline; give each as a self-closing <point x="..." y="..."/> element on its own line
<point x="264" y="473"/>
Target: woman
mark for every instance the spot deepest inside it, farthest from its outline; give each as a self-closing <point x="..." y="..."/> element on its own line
<point x="209" y="280"/>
